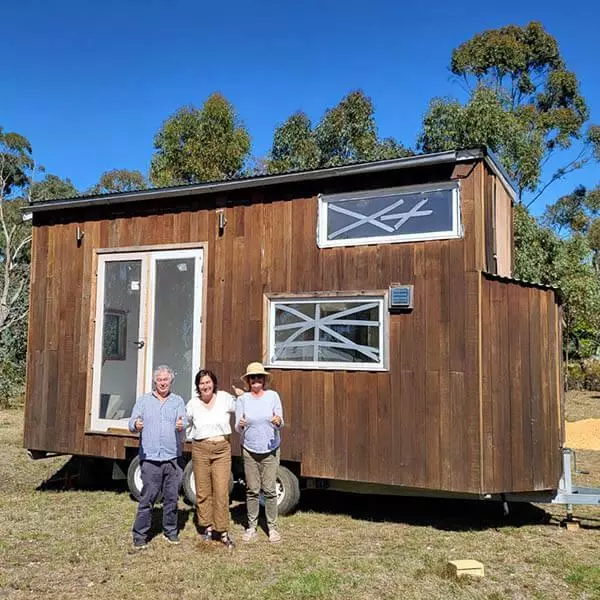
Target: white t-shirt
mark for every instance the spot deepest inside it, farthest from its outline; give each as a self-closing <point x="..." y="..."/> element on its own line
<point x="210" y="422"/>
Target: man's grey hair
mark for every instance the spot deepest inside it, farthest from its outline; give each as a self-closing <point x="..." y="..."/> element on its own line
<point x="162" y="369"/>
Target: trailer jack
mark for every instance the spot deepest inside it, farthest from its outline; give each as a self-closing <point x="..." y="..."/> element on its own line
<point x="567" y="494"/>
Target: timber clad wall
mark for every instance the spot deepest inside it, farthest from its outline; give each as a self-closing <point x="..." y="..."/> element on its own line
<point x="421" y="424"/>
<point x="521" y="387"/>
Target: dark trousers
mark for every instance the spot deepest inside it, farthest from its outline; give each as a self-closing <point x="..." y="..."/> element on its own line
<point x="158" y="476"/>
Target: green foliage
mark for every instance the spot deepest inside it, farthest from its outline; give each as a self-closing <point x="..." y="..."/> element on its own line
<point x="575" y="376"/>
<point x="574" y="212"/>
<point x="542" y="256"/>
<point x="16" y="162"/>
<point x="119" y="180"/>
<point x="295" y="146"/>
<point x="52" y="187"/>
<point x="523" y="104"/>
<point x="591" y="372"/>
<point x="347" y="133"/>
<point x="316" y="583"/>
<point x="580" y="287"/>
<point x="484" y="120"/>
<point x="12" y="383"/>
<point x="389" y="148"/>
<point x="16" y="173"/>
<point x="194" y="145"/>
<point x="578" y="213"/>
<point x="536" y="248"/>
<point x="586" y="579"/>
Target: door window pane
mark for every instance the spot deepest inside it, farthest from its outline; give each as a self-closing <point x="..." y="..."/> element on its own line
<point x="173" y="340"/>
<point x="120" y="329"/>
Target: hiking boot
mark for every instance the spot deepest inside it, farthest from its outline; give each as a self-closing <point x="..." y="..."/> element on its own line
<point x="227" y="541"/>
<point x="172" y="539"/>
<point x="274" y="536"/>
<point x="249" y="535"/>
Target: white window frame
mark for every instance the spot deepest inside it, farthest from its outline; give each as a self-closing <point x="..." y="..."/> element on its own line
<point x="323" y="215"/>
<point x="147" y="257"/>
<point x="380" y="297"/>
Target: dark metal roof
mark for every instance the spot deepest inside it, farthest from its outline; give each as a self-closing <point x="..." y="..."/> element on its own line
<point x="453" y="156"/>
<point x="535" y="284"/>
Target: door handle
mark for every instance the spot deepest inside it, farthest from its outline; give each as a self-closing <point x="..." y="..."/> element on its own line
<point x="139" y="344"/>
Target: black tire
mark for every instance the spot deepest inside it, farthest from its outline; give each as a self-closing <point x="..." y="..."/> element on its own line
<point x="288" y="491"/>
<point x="288" y="501"/>
<point x="189" y="484"/>
<point x="134" y="480"/>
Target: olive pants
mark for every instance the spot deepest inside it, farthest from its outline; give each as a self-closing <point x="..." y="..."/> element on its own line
<point x="260" y="471"/>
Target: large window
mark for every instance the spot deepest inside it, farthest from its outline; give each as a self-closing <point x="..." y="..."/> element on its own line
<point x="407" y="214"/>
<point x="341" y="332"/>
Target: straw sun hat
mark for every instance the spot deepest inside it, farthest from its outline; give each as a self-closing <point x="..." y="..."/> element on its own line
<point x="254" y="368"/>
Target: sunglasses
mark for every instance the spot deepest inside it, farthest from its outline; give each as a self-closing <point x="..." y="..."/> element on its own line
<point x="253" y="377"/>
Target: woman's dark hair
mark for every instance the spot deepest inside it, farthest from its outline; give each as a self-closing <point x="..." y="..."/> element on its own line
<point x="203" y="373"/>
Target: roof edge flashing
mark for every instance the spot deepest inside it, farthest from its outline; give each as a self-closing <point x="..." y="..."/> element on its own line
<point x="248" y="183"/>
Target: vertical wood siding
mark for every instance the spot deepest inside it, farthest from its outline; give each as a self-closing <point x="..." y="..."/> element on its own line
<point x="423" y="424"/>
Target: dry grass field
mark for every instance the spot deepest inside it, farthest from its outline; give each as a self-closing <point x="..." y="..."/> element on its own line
<point x="75" y="543"/>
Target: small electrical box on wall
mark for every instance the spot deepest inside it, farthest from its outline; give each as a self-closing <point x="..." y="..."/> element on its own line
<point x="400" y="297"/>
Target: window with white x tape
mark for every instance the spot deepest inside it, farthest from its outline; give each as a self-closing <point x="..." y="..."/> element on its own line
<point x="404" y="214"/>
<point x="339" y="332"/>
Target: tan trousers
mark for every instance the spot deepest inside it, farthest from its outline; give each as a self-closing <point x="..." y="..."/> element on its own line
<point x="211" y="462"/>
<point x="260" y="471"/>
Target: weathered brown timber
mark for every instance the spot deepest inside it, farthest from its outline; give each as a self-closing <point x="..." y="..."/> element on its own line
<point x="471" y="400"/>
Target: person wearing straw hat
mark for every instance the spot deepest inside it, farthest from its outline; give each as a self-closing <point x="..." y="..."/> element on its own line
<point x="259" y="418"/>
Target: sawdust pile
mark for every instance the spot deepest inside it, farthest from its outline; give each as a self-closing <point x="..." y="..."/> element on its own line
<point x="583" y="435"/>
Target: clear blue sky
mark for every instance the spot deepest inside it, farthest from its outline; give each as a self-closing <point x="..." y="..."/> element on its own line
<point x="89" y="83"/>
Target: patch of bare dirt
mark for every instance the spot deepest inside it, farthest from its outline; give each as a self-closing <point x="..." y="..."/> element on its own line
<point x="583" y="435"/>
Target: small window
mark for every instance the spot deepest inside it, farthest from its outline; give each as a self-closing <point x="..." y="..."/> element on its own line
<point x="327" y="333"/>
<point x="407" y="214"/>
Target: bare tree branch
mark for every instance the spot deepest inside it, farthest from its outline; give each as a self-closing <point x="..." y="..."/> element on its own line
<point x="559" y="174"/>
<point x="26" y="240"/>
<point x="11" y="322"/>
<point x="17" y="293"/>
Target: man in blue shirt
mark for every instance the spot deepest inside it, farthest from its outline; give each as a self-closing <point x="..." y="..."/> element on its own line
<point x="160" y="418"/>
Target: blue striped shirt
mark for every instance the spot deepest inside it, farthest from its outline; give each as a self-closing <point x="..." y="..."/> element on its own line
<point x="159" y="440"/>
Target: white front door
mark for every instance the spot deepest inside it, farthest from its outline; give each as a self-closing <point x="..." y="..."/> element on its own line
<point x="148" y="313"/>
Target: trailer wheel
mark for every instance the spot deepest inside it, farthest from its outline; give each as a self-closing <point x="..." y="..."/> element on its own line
<point x="189" y="484"/>
<point x="288" y="491"/>
<point x="134" y="480"/>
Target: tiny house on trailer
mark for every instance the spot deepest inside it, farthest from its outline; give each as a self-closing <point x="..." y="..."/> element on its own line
<point x="379" y="295"/>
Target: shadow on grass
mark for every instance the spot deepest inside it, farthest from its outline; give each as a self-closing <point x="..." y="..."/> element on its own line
<point x="238" y="512"/>
<point x="443" y="514"/>
<point x="84" y="473"/>
<point x="80" y="473"/>
<point x="183" y="516"/>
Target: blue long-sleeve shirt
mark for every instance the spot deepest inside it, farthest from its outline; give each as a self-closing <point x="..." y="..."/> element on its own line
<point x="260" y="435"/>
<point x="159" y="440"/>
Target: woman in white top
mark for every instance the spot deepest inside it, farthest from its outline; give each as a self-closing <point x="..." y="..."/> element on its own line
<point x="209" y="415"/>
